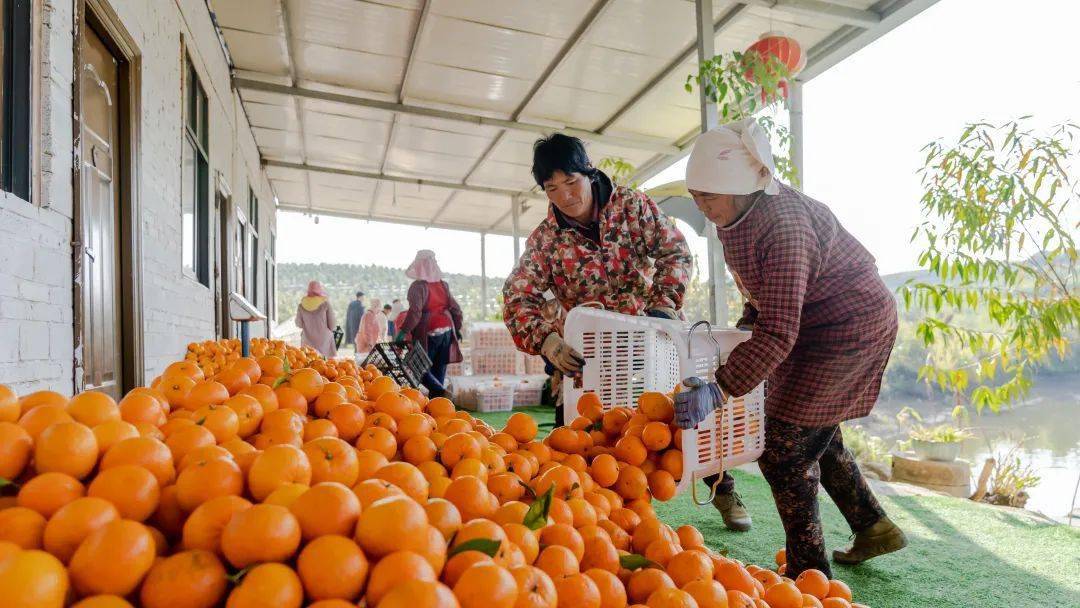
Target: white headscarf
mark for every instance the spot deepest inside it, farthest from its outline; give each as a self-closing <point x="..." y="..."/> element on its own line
<point x="732" y="159"/>
<point x="424" y="267"/>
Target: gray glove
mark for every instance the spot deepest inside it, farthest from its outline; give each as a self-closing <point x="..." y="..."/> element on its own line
<point x="694" y="404"/>
<point x="561" y="355"/>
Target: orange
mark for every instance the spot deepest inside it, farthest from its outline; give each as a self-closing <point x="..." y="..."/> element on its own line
<point x="326" y="401"/>
<point x="661" y="551"/>
<point x="183" y="368"/>
<point x="169" y="517"/>
<point x="413" y="425"/>
<point x="521" y="426"/>
<point x="813" y="582"/>
<point x="133" y="490"/>
<point x="326" y="508"/>
<point x="390" y="524"/>
<point x="263" y="533"/>
<point x="22" y="526"/>
<point x="612" y="591"/>
<point x="479" y="529"/>
<point x="112" y="559"/>
<point x="188" y="578"/>
<point x="38" y="398"/>
<point x="368" y="462"/>
<point x="661" y="485"/>
<point x="47" y="492"/>
<point x="457" y="447"/>
<point x="734" y="577"/>
<point x="471" y="497"/>
<point x="380" y="385"/>
<point x="407" y="477"/>
<point x="577" y="591"/>
<point x="66" y="447"/>
<point x="33" y="578"/>
<point x="604" y="470"/>
<point x="102" y="601"/>
<point x="378" y="439"/>
<point x="147" y="452"/>
<point x="349" y="419"/>
<point x="271" y="365"/>
<point x="176" y="389"/>
<point x="332" y="567"/>
<point x="382" y="420"/>
<point x="206" y="453"/>
<point x="203" y="528"/>
<point x="112" y="432"/>
<point x="656" y="436"/>
<point x="207" y="392"/>
<point x="9" y="404"/>
<point x="220" y="420"/>
<point x="505" y="441"/>
<point x="267" y="585"/>
<point x="286" y="495"/>
<point x="38" y="419"/>
<point x="288" y="398"/>
<point x="73" y="522"/>
<point x="631" y="450"/>
<point x="657" y="407"/>
<point x="440" y="406"/>
<point x="394" y="569"/>
<point x="670" y="598"/>
<point x="525" y="539"/>
<point x="419" y="594"/>
<point x="93" y="408"/>
<point x="563" y="479"/>
<point x="689" y="536"/>
<point x="265" y="395"/>
<point x="307" y="382"/>
<point x="250" y="366"/>
<point x="141" y="407"/>
<point x="486" y="584"/>
<point x="835" y="602"/>
<point x="839" y="589"/>
<point x="461" y="562"/>
<point x="783" y="594"/>
<point x="434" y="549"/>
<point x="332" y="459"/>
<point x="707" y="593"/>
<point x="419" y="449"/>
<point x="557" y="561"/>
<point x="276" y="466"/>
<point x="234" y="379"/>
<point x="371" y="490"/>
<point x="444" y="516"/>
<point x="188" y="439"/>
<point x="631" y="483"/>
<point x="16" y="445"/>
<point x="207" y="479"/>
<point x="809" y="601"/>
<point x="249" y="414"/>
<point x="601" y="554"/>
<point x="590" y="407"/>
<point x="643" y="583"/>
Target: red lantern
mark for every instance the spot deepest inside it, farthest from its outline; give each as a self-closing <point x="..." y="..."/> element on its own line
<point x="786" y="49"/>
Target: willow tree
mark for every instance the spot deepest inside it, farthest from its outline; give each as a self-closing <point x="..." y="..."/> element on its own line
<point x="999" y="233"/>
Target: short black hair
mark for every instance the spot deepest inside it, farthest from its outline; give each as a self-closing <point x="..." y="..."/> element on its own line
<point x="386" y="306"/>
<point x="559" y="152"/>
<point x="359" y="294"/>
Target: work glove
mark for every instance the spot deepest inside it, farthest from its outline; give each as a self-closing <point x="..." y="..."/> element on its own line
<point x="697" y="401"/>
<point x="661" y="312"/>
<point x="561" y="355"/>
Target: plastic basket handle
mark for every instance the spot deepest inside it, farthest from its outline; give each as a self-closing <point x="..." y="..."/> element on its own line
<point x="720" y="478"/>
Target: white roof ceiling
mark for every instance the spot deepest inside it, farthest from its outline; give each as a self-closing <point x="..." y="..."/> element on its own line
<point x="341" y="92"/>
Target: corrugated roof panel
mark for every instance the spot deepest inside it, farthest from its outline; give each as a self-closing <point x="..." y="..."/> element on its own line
<point x="659" y="28"/>
<point x="345" y="127"/>
<point x="429" y="165"/>
<point x="469" y="88"/>
<point x="257" y="52"/>
<point x="322" y="150"/>
<point x="272" y="116"/>
<point x="503" y="175"/>
<point x="371" y="27"/>
<point x="259" y="16"/>
<point x="485" y="48"/>
<point x="289" y="193"/>
<point x="342" y="67"/>
<point x="441" y="142"/>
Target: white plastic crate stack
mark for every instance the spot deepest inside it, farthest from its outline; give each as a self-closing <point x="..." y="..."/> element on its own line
<point x="495" y="396"/>
<point x="626" y="356"/>
<point x="534" y="364"/>
<point x="462" y="368"/>
<point x="529" y="391"/>
<point x="493" y="350"/>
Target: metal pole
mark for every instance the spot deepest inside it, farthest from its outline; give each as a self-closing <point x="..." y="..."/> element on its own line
<point x="709" y="119"/>
<point x="245" y="339"/>
<point x="795" y="113"/>
<point x="483" y="276"/>
<point x="515" y="216"/>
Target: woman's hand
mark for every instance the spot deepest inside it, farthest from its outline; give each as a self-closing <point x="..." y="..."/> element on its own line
<point x="695" y="403"/>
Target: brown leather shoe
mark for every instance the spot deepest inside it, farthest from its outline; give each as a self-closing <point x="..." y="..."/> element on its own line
<point x="881" y="538"/>
<point x="732" y="509"/>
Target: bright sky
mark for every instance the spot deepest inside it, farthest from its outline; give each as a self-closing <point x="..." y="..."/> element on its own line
<point x="865" y="121"/>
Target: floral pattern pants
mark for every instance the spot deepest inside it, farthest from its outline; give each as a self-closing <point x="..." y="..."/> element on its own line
<point x="795" y="460"/>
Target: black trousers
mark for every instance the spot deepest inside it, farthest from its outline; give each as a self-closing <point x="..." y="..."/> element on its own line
<point x="438" y="350"/>
<point x="796" y="459"/>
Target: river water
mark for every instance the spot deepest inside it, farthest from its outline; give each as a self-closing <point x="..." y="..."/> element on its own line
<point x="1045" y="426"/>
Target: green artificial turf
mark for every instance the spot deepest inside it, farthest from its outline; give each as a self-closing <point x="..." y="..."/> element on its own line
<point x="960" y="554"/>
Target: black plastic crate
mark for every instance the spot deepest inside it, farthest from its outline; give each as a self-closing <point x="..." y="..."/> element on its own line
<point x="405" y="362"/>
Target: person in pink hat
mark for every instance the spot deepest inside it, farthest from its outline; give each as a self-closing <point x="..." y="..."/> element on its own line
<point x="433" y="319"/>
<point x="316" y="320"/>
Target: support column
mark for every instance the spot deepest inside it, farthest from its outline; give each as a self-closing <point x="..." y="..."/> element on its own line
<point x="515" y="216"/>
<point x="709" y="119"/>
<point x="483" y="276"/>
<point x="795" y="113"/>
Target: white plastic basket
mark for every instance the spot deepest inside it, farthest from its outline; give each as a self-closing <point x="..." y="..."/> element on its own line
<point x="509" y="361"/>
<point x="626" y="356"/>
<point x="495" y="397"/>
<point x="528" y="392"/>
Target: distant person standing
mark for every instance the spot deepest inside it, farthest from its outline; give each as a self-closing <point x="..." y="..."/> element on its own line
<point x="316" y="321"/>
<point x="388" y="312"/>
<point x="352" y="318"/>
<point x="372" y="328"/>
<point x="434" y="319"/>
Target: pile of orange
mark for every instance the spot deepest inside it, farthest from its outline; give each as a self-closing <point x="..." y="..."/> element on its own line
<point x="273" y="485"/>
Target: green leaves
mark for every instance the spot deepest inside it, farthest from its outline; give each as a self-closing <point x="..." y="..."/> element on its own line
<point x="536" y="516"/>
<point x="634" y="561"/>
<point x="487" y="546"/>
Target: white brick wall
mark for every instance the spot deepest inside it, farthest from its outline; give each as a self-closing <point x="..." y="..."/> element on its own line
<point x="36" y="316"/>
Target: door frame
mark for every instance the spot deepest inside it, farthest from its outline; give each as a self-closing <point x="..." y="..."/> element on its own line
<point x="99" y="15"/>
<point x="223" y="274"/>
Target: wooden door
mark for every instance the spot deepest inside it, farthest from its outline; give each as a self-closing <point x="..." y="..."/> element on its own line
<point x="99" y="193"/>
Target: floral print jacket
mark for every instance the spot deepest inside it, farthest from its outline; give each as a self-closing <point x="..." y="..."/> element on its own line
<point x="641" y="262"/>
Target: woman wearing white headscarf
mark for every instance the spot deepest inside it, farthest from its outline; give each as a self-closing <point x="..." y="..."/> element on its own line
<point x="823" y="327"/>
<point x="373" y="329"/>
<point x="433" y="319"/>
